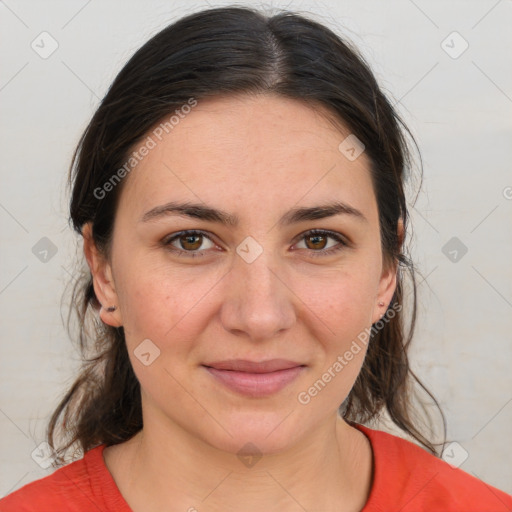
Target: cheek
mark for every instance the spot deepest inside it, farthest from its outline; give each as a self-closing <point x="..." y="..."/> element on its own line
<point x="341" y="300"/>
<point x="339" y="307"/>
<point x="162" y="318"/>
<point x="341" y="325"/>
<point x="166" y="305"/>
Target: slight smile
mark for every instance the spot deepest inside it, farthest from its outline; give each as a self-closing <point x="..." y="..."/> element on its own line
<point x="255" y="379"/>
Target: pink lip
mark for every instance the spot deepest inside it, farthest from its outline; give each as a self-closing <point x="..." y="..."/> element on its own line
<point x="244" y="365"/>
<point x="255" y="379"/>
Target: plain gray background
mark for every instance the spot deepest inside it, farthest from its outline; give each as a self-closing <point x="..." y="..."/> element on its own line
<point x="456" y="100"/>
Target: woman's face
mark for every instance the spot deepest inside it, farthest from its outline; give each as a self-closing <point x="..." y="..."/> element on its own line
<point x="257" y="289"/>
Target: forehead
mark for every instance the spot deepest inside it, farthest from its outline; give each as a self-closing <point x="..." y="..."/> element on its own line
<point x="249" y="151"/>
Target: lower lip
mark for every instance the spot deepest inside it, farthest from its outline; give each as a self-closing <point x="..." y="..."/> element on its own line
<point x="256" y="384"/>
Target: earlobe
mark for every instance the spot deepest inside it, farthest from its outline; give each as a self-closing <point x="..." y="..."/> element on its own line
<point x="387" y="288"/>
<point x="103" y="281"/>
<point x="110" y="316"/>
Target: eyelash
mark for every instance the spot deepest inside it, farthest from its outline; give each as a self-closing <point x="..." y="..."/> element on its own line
<point x="193" y="254"/>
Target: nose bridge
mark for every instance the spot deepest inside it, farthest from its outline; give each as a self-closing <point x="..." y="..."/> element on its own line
<point x="258" y="301"/>
<point x="260" y="275"/>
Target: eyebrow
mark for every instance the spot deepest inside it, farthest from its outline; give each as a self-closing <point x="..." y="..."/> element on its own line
<point x="206" y="213"/>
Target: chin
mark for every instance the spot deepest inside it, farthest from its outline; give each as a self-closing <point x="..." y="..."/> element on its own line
<point x="265" y="432"/>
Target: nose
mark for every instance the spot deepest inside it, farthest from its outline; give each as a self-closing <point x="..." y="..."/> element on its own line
<point x="259" y="302"/>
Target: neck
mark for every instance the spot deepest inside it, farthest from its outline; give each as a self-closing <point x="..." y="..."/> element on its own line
<point x="330" y="469"/>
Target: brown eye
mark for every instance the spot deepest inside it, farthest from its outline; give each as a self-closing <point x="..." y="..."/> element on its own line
<point x="188" y="243"/>
<point x="317" y="241"/>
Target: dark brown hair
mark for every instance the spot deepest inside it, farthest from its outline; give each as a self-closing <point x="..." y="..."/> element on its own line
<point x="222" y="51"/>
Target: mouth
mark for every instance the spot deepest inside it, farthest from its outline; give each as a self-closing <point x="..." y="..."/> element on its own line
<point x="255" y="379"/>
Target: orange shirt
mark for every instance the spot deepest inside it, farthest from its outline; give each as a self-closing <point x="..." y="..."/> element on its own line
<point x="406" y="479"/>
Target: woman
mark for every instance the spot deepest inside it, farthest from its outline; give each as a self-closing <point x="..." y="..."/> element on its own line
<point x="240" y="193"/>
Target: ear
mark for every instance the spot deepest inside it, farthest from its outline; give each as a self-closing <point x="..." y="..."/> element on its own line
<point x="388" y="281"/>
<point x="103" y="282"/>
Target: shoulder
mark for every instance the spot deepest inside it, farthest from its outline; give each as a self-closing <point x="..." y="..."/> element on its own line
<point x="69" y="488"/>
<point x="408" y="478"/>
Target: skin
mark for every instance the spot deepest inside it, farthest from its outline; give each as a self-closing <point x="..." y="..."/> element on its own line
<point x="256" y="157"/>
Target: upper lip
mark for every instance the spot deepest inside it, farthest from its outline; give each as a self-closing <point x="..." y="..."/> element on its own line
<point x="243" y="365"/>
